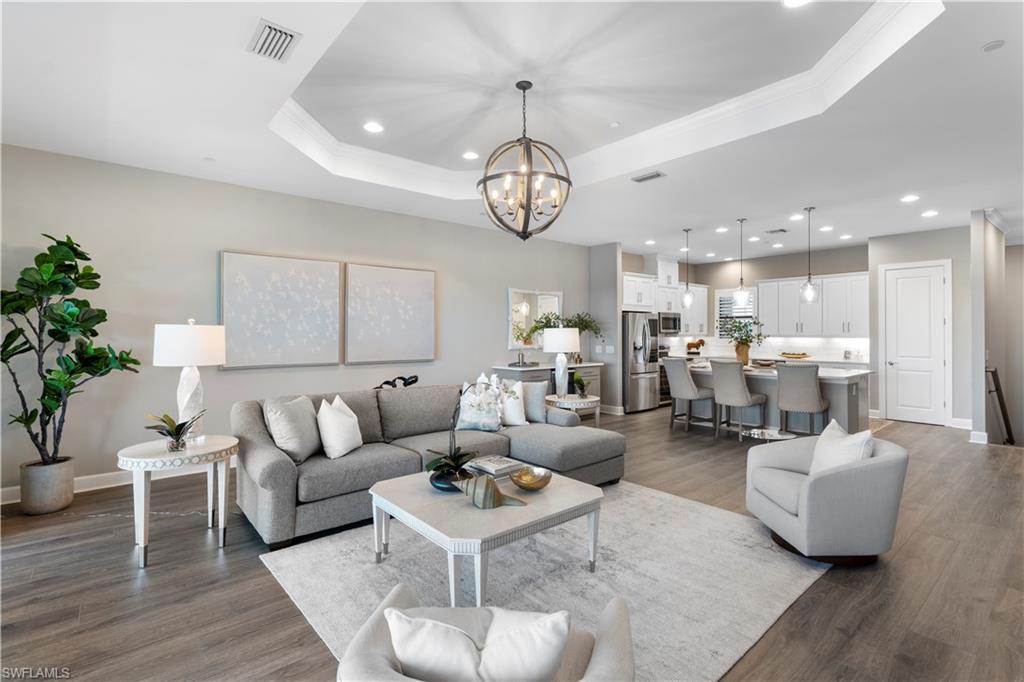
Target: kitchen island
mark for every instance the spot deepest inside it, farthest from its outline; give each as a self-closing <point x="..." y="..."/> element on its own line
<point x="845" y="389"/>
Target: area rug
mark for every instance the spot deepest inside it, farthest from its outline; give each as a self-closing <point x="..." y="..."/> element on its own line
<point x="703" y="584"/>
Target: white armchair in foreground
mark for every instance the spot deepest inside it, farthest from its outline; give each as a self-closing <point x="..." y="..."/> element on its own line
<point x="607" y="656"/>
<point x="845" y="515"/>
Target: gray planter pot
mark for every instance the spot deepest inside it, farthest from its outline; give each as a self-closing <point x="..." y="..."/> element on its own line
<point x="47" y="488"/>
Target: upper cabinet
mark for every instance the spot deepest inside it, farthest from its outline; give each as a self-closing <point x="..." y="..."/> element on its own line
<point x="639" y="292"/>
<point x="664" y="268"/>
<point x="668" y="299"/>
<point x="695" y="318"/>
<point x="839" y="310"/>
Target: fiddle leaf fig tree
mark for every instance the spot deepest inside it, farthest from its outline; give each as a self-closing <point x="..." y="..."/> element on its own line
<point x="56" y="330"/>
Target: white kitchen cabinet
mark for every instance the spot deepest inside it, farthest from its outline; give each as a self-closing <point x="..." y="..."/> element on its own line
<point x="665" y="269"/>
<point x="668" y="299"/>
<point x="797" y="318"/>
<point x="768" y="307"/>
<point x="695" y="318"/>
<point x="845" y="306"/>
<point x="638" y="292"/>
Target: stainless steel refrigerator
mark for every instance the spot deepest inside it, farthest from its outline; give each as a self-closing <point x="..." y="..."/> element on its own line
<point x="640" y="375"/>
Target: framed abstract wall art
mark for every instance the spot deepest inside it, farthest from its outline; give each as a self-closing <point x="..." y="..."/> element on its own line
<point x="389" y="314"/>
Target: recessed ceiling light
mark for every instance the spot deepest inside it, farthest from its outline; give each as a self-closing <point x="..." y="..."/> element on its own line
<point x="373" y="127"/>
<point x="753" y="239"/>
<point x="710" y="255"/>
<point x="929" y="214"/>
<point x="728" y="259"/>
<point x="649" y="242"/>
<point x="683" y="249"/>
<point x="793" y="4"/>
<point x="993" y="45"/>
<point x="615" y="124"/>
<point x="777" y="245"/>
<point x="825" y="228"/>
<point x="909" y="198"/>
<point x="721" y="229"/>
<point x="470" y="156"/>
<point x="797" y="216"/>
<point x="846" y="236"/>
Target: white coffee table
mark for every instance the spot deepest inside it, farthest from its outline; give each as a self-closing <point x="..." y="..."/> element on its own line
<point x="576" y="402"/>
<point x="451" y="522"/>
<point x="145" y="458"/>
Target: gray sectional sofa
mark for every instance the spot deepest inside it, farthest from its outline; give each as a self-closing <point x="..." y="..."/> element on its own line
<point x="284" y="500"/>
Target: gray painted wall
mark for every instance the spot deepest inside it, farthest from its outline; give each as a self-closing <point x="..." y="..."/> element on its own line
<point x="155" y="239"/>
<point x="955" y="244"/>
<point x="1013" y="378"/>
<point x="994" y="254"/>
<point x="825" y="262"/>
<point x="606" y="307"/>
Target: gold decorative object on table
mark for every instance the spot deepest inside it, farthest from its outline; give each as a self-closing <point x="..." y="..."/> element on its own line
<point x="531" y="478"/>
<point x="485" y="493"/>
<point x="794" y="356"/>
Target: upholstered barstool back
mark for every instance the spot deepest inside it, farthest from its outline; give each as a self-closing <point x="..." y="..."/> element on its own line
<point x="682" y="387"/>
<point x="731" y="391"/>
<point x="799" y="391"/>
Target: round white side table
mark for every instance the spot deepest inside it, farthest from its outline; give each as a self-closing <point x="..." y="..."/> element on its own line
<point x="575" y="402"/>
<point x="145" y="458"/>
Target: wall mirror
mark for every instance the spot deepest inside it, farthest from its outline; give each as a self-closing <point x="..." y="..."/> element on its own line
<point x="524" y="307"/>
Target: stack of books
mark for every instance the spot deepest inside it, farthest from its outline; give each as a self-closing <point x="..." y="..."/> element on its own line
<point x="494" y="465"/>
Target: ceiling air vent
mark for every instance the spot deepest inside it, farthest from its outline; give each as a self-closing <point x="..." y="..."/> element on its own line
<point x="273" y="41"/>
<point x="778" y="230"/>
<point x="646" y="177"/>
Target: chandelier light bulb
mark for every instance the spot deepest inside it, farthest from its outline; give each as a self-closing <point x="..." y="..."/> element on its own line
<point x="687" y="298"/>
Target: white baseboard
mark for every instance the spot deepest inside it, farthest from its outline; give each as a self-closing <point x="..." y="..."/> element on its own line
<point x="877" y="414"/>
<point x="960" y="423"/>
<point x="110" y="479"/>
<point x="980" y="437"/>
<point x="613" y="409"/>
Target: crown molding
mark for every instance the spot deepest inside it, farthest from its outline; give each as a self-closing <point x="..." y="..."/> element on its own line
<point x="880" y="32"/>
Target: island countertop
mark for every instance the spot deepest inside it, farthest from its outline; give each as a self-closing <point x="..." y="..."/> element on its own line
<point x="826" y="375"/>
<point x="546" y="365"/>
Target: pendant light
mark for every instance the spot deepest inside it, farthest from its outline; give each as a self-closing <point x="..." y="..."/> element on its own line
<point x="741" y="296"/>
<point x="687" y="294"/>
<point x="525" y="184"/>
<point x="808" y="290"/>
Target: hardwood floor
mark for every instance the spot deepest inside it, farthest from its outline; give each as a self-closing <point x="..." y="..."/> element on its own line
<point x="945" y="603"/>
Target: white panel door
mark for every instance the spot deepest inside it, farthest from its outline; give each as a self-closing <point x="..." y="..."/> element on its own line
<point x="858" y="320"/>
<point x="834" y="305"/>
<point x="789" y="308"/>
<point x="768" y="307"/>
<point x="914" y="376"/>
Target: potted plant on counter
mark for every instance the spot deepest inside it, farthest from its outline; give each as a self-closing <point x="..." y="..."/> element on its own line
<point x="743" y="333"/>
<point x="56" y="330"/>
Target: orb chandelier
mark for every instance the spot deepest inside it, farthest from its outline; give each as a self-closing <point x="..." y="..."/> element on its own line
<point x="525" y="184"/>
<point x="808" y="292"/>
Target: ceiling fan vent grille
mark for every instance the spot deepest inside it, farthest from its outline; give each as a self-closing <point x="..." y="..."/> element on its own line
<point x="778" y="230"/>
<point x="273" y="41"/>
<point x="647" y="177"/>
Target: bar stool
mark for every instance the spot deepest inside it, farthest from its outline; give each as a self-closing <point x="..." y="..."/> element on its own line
<point x="682" y="387"/>
<point x="731" y="391"/>
<point x="799" y="391"/>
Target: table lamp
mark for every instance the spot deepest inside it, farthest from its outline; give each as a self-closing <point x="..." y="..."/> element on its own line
<point x="189" y="346"/>
<point x="561" y="340"/>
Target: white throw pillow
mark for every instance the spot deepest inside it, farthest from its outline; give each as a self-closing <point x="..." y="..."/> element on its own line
<point x="517" y="646"/>
<point x="293" y="427"/>
<point x="480" y="407"/>
<point x="835" y="447"/>
<point x="513" y="409"/>
<point x="339" y="428"/>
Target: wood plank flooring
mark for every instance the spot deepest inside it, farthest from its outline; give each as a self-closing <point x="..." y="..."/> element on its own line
<point x="945" y="603"/>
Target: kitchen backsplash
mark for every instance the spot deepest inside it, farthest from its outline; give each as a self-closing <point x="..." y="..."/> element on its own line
<point x="823" y="349"/>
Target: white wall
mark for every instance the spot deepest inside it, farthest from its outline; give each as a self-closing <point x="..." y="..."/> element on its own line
<point x="155" y="239"/>
<point x="955" y="244"/>
<point x="1013" y="378"/>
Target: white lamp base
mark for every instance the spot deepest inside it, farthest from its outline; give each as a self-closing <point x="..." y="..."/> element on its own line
<point x="561" y="375"/>
<point x="190" y="399"/>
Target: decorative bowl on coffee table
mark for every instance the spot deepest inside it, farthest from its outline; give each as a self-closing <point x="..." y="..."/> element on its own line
<point x="531" y="477"/>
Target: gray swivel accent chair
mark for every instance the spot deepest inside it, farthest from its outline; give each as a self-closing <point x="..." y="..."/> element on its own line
<point x="681" y="387"/>
<point x="799" y="391"/>
<point x="731" y="391"/>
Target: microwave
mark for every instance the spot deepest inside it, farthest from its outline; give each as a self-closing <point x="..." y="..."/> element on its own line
<point x="670" y="323"/>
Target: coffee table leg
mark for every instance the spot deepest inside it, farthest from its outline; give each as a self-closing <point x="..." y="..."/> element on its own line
<point x="140" y="490"/>
<point x="592" y="519"/>
<point x="453" y="577"/>
<point x="386" y="531"/>
<point x="211" y="494"/>
<point x="378" y="531"/>
<point x="480" y="566"/>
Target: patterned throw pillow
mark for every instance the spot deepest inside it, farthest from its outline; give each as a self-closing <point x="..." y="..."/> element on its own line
<point x="480" y="407"/>
<point x="513" y="409"/>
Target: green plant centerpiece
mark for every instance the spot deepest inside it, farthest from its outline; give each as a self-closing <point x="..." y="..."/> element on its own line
<point x="742" y="333"/>
<point x="175" y="432"/>
<point x="545" y="321"/>
<point x="581" y="386"/>
<point x="585" y="322"/>
<point x="57" y="330"/>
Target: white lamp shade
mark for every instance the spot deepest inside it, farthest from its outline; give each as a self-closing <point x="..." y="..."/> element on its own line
<point x="562" y="340"/>
<point x="188" y="345"/>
